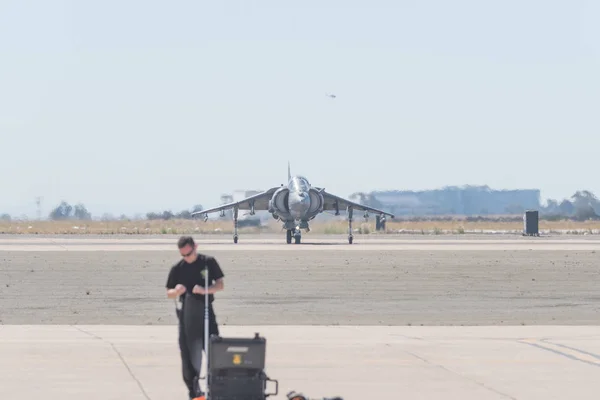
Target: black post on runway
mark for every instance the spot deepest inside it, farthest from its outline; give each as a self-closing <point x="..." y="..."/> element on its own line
<point x="531" y="223"/>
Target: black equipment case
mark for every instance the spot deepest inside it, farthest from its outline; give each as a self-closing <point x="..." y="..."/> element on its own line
<point x="236" y="369"/>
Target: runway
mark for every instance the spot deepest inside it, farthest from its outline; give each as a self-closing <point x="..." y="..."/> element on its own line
<point x="386" y="317"/>
<point x="405" y="281"/>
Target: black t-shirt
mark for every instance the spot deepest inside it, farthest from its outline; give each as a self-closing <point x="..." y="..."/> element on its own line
<point x="190" y="275"/>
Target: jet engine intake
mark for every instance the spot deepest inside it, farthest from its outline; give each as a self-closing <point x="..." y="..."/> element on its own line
<point x="278" y="205"/>
<point x="317" y="202"/>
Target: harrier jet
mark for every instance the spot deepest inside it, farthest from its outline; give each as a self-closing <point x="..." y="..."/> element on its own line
<point x="294" y="205"/>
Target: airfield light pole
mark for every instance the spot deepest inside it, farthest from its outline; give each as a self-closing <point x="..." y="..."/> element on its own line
<point x="38" y="203"/>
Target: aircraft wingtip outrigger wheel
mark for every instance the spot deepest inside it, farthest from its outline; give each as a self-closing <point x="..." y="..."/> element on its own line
<point x="235" y="224"/>
<point x="350" y="238"/>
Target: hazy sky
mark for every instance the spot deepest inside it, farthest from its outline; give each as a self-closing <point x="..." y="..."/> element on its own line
<point x="133" y="106"/>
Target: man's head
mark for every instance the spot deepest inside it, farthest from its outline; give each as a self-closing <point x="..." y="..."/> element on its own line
<point x="187" y="248"/>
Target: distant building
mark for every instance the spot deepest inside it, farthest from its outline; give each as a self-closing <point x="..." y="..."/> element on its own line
<point x="453" y="200"/>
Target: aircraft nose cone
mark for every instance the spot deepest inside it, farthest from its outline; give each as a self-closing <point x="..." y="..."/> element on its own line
<point x="304" y="198"/>
<point x="299" y="204"/>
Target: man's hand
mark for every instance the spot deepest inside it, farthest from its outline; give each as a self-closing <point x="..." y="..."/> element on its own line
<point x="176" y="291"/>
<point x="198" y="290"/>
<point x="180" y="289"/>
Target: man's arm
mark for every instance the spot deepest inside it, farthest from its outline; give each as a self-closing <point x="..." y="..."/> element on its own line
<point x="215" y="273"/>
<point x="212" y="289"/>
<point x="217" y="286"/>
<point x="173" y="290"/>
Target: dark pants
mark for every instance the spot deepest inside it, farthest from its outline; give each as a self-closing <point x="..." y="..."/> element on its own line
<point x="191" y="339"/>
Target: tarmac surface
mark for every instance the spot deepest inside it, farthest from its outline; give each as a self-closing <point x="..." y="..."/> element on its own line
<point x="364" y="321"/>
<point x="380" y="281"/>
<point x="102" y="362"/>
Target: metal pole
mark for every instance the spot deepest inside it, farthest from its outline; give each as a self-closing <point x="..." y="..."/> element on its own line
<point x="206" y="328"/>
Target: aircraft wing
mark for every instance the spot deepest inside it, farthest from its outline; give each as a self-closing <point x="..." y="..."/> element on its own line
<point x="334" y="203"/>
<point x="260" y="200"/>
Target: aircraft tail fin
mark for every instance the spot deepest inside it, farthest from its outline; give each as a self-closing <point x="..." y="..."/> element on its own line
<point x="289" y="172"/>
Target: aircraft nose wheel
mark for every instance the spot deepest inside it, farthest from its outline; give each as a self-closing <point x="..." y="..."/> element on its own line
<point x="235" y="239"/>
<point x="350" y="239"/>
<point x="297" y="236"/>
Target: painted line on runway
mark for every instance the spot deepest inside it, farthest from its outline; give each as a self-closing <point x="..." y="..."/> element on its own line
<point x="303" y="247"/>
<point x="564" y="351"/>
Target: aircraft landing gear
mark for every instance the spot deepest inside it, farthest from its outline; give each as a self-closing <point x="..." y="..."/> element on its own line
<point x="350" y="237"/>
<point x="235" y="225"/>
<point x="296" y="234"/>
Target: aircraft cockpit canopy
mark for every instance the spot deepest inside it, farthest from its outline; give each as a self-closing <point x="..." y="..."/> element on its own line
<point x="299" y="184"/>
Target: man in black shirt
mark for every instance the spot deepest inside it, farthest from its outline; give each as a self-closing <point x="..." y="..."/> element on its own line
<point x="187" y="284"/>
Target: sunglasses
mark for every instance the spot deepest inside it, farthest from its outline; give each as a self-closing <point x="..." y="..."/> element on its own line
<point x="188" y="254"/>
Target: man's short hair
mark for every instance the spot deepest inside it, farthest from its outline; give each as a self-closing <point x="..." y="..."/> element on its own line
<point x="184" y="241"/>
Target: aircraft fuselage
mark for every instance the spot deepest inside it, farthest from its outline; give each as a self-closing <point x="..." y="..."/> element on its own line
<point x="299" y="197"/>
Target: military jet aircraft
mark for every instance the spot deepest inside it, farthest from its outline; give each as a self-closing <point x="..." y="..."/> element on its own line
<point x="294" y="205"/>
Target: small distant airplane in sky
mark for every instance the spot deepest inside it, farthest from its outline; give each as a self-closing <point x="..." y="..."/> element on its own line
<point x="294" y="205"/>
<point x="333" y="96"/>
